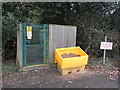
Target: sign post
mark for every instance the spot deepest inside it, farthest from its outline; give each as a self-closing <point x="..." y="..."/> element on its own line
<point x="104" y="51"/>
<point x="106" y="46"/>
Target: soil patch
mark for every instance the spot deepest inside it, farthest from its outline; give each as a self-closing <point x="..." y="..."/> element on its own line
<point x="69" y="55"/>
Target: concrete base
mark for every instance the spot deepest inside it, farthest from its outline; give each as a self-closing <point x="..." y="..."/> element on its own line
<point x="33" y="67"/>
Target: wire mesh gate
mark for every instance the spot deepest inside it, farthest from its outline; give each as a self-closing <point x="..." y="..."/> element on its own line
<point x="35" y="48"/>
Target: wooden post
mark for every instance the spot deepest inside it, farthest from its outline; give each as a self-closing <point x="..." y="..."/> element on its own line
<point x="104" y="51"/>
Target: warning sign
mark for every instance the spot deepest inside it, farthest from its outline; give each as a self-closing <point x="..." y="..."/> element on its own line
<point x="106" y="45"/>
<point x="29" y="32"/>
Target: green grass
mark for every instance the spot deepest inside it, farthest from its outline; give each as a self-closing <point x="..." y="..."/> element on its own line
<point x="6" y="68"/>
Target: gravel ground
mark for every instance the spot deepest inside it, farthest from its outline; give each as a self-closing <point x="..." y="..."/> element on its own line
<point x="51" y="78"/>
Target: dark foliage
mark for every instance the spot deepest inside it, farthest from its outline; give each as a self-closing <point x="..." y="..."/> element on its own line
<point x="94" y="20"/>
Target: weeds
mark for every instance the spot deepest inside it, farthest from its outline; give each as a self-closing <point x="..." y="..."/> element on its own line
<point x="9" y="68"/>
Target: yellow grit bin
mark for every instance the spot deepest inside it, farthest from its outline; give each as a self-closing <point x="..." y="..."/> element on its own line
<point x="70" y="62"/>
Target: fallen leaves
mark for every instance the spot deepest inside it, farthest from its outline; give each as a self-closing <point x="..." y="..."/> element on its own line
<point x="34" y="77"/>
<point x="51" y="81"/>
<point x="110" y="70"/>
<point x="60" y="86"/>
<point x="66" y="86"/>
<point x="112" y="74"/>
<point x="69" y="82"/>
<point x="28" y="78"/>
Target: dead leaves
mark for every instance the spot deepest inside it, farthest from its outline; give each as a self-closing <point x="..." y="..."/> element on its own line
<point x="69" y="82"/>
<point x="110" y="71"/>
<point x="112" y="74"/>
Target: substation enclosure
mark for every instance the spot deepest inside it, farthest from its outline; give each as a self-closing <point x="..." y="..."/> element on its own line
<point x="36" y="43"/>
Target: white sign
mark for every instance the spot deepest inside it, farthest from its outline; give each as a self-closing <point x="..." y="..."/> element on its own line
<point x="106" y="45"/>
<point x="29" y="32"/>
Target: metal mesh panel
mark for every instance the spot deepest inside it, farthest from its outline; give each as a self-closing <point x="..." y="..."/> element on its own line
<point x="34" y="54"/>
<point x="36" y="47"/>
